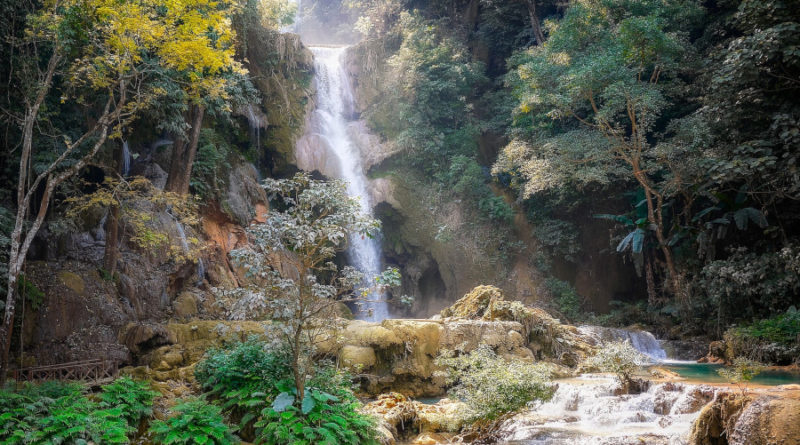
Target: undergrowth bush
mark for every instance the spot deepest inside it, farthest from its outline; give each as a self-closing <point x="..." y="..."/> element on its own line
<point x="619" y="358"/>
<point x="771" y="340"/>
<point x="242" y="377"/>
<point x="783" y="329"/>
<point x="194" y="422"/>
<point x="56" y="412"/>
<point x="252" y="381"/>
<point x="566" y="298"/>
<point x="134" y="398"/>
<point x="327" y="414"/>
<point x="492" y="386"/>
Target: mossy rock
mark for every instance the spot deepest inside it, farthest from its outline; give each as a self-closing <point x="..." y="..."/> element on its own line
<point x="72" y="281"/>
<point x="185" y="306"/>
<point x="358" y="358"/>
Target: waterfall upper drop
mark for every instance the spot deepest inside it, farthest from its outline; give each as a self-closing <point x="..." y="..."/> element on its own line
<point x="126" y="159"/>
<point x="642" y="341"/>
<point x="326" y="146"/>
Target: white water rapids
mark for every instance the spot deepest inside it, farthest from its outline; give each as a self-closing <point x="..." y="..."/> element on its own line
<point x="585" y="411"/>
<point x="335" y="154"/>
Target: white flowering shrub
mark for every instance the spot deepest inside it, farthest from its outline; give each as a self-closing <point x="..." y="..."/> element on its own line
<point x="620" y="358"/>
<point x="292" y="278"/>
<point x="492" y="386"/>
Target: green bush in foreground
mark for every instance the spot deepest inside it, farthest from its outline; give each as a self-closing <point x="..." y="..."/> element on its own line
<point x="134" y="398"/>
<point x="327" y="415"/>
<point x="56" y="412"/>
<point x="492" y="386"/>
<point x="242" y="378"/>
<point x="194" y="422"/>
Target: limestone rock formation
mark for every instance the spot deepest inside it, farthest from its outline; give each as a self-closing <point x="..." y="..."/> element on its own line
<point x="758" y="419"/>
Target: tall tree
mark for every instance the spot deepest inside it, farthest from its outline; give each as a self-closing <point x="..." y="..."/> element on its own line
<point x="201" y="61"/>
<point x="606" y="70"/>
<point x="311" y="222"/>
<point x="100" y="55"/>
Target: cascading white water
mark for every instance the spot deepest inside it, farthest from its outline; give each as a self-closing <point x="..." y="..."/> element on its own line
<point x="201" y="270"/>
<point x="255" y="125"/>
<point x="585" y="411"/>
<point x="126" y="159"/>
<point x="327" y="137"/>
<point x="643" y="341"/>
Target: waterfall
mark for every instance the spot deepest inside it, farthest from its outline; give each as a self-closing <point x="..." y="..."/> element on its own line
<point x="643" y="341"/>
<point x="255" y="125"/>
<point x="327" y="137"/>
<point x="201" y="269"/>
<point x="585" y="410"/>
<point x="126" y="159"/>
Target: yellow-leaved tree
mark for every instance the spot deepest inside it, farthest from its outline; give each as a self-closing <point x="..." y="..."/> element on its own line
<point x="199" y="55"/>
<point x="105" y="56"/>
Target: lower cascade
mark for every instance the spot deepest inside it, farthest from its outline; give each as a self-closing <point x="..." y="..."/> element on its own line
<point x="643" y="341"/>
<point x="585" y="411"/>
<point x="327" y="137"/>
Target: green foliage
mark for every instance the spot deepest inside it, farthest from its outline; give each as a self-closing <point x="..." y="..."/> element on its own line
<point x="742" y="372"/>
<point x="427" y="108"/>
<point x="620" y="358"/>
<point x="492" y="386"/>
<point x="193" y="422"/>
<point x="327" y="414"/>
<point x="133" y="398"/>
<point x="211" y="166"/>
<point x="559" y="236"/>
<point x="749" y="284"/>
<point x="432" y="79"/>
<point x="566" y="298"/>
<point x="30" y="292"/>
<point x="242" y="377"/>
<point x="56" y="412"/>
<point x="496" y="208"/>
<point x="782" y="328"/>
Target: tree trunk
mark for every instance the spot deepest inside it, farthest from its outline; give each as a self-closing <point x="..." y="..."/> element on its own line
<point x="536" y="24"/>
<point x="21" y="244"/>
<point x="299" y="377"/>
<point x="183" y="154"/>
<point x="656" y="217"/>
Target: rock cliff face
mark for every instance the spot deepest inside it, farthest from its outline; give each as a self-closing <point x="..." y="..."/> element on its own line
<point x="757" y="419"/>
<point x="82" y="310"/>
<point x="393" y="355"/>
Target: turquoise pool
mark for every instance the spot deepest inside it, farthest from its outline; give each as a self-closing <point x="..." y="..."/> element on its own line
<point x="706" y="372"/>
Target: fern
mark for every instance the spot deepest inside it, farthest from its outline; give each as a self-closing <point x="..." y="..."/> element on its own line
<point x="194" y="422"/>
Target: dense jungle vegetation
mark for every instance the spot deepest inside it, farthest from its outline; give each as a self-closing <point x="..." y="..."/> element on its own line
<point x="674" y="123"/>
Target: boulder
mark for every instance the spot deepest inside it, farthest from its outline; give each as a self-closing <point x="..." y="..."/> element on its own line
<point x="759" y="419"/>
<point x="359" y="358"/>
<point x="185" y="306"/>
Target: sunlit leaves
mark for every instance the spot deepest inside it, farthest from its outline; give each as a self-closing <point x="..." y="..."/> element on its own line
<point x="139" y="203"/>
<point x="491" y="385"/>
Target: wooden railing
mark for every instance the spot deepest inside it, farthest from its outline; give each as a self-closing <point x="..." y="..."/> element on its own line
<point x="96" y="371"/>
